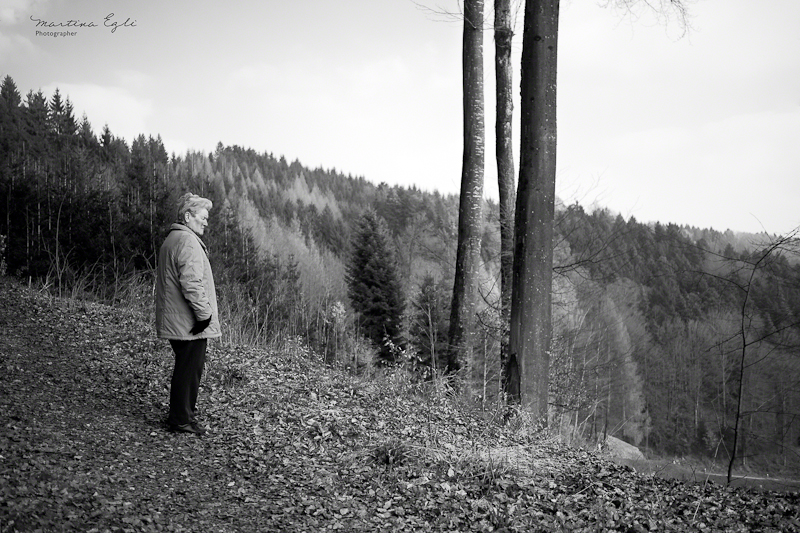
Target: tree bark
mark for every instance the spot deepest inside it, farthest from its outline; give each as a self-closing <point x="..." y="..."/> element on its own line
<point x="531" y="324"/>
<point x="462" y="315"/>
<point x="503" y="35"/>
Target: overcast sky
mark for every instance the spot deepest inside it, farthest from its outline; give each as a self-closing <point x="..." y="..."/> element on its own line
<point x="700" y="129"/>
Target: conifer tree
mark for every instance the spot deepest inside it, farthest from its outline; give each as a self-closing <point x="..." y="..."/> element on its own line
<point x="373" y="285"/>
<point x="10" y="145"/>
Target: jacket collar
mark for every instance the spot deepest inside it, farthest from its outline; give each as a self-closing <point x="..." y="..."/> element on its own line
<point x="176" y="226"/>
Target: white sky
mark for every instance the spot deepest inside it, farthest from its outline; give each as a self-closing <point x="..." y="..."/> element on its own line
<point x="702" y="129"/>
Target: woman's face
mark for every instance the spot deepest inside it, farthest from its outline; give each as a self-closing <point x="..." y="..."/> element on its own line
<point x="197" y="222"/>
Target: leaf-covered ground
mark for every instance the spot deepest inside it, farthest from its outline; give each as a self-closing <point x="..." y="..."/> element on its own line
<point x="292" y="446"/>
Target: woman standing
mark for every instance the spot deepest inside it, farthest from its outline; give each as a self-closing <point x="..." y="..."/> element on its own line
<point x="186" y="307"/>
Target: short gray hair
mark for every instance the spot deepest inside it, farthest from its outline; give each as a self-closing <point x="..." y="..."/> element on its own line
<point x="192" y="203"/>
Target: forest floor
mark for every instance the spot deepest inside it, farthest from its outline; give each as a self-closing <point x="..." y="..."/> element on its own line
<point x="293" y="446"/>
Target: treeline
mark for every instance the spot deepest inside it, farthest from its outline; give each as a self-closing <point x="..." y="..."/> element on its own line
<point x="86" y="213"/>
<point x="677" y="335"/>
<point x="89" y="211"/>
<point x="665" y="335"/>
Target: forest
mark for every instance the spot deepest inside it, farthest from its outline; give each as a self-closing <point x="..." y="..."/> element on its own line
<point x="682" y="341"/>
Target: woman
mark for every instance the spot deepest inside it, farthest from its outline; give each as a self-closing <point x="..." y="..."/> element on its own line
<point x="186" y="307"/>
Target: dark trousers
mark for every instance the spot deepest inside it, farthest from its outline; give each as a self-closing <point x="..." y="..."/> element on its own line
<point x="190" y="357"/>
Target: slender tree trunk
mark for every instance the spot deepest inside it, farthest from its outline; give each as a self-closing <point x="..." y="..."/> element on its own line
<point x="742" y="367"/>
<point x="780" y="422"/>
<point x="503" y="35"/>
<point x="28" y="223"/>
<point x="462" y="315"/>
<point x="531" y="324"/>
<point x="153" y="183"/>
<point x="745" y="324"/>
<point x="111" y="234"/>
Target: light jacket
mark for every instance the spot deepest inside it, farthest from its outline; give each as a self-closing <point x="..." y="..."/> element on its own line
<point x="185" y="289"/>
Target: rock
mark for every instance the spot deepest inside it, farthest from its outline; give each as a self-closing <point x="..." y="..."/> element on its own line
<point x="619" y="449"/>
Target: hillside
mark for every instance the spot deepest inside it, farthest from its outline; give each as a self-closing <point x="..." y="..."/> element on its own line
<point x="681" y="341"/>
<point x="292" y="446"/>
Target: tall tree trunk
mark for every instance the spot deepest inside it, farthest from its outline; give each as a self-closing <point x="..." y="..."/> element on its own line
<point x="462" y="315"/>
<point x="738" y="433"/>
<point x="780" y="420"/>
<point x="503" y="35"/>
<point x="531" y="324"/>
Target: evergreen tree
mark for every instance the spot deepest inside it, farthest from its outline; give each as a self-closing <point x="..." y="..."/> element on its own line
<point x="10" y="146"/>
<point x="373" y="285"/>
<point x="10" y="115"/>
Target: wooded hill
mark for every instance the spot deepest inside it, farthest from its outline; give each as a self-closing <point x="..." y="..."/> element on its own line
<point x="670" y="337"/>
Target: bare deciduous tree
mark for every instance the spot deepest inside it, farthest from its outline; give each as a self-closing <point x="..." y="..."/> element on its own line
<point x="749" y="339"/>
<point x="531" y="327"/>
<point x="503" y="35"/>
<point x="462" y="314"/>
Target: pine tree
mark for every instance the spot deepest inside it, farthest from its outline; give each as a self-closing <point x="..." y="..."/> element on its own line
<point x="10" y="115"/>
<point x="10" y="145"/>
<point x="373" y="285"/>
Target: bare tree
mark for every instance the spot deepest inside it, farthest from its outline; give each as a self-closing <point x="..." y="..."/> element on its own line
<point x="503" y="35"/>
<point x="462" y="314"/>
<point x="747" y="338"/>
<point x="531" y="327"/>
